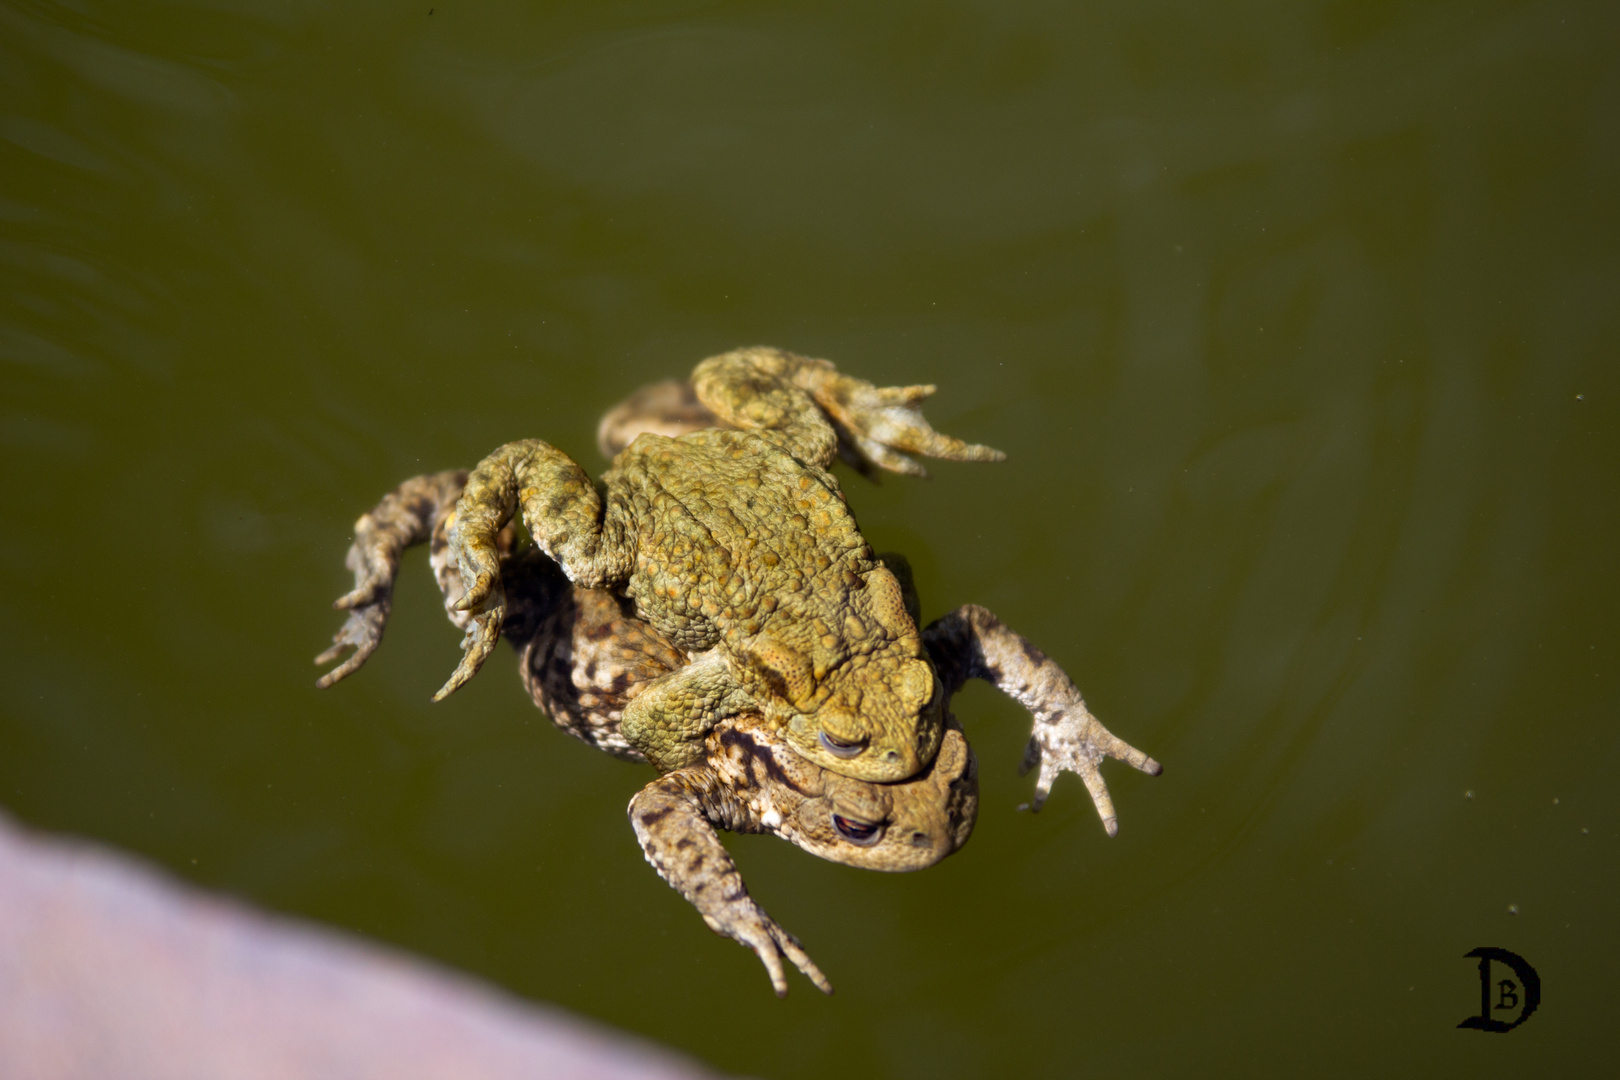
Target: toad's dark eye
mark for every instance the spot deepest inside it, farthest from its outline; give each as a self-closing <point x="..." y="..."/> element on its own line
<point x="840" y="748"/>
<point x="856" y="832"/>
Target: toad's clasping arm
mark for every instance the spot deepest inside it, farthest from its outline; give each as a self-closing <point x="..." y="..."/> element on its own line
<point x="565" y="517"/>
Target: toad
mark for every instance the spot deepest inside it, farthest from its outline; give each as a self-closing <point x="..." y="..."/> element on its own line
<point x="734" y="542"/>
<point x="967" y="643"/>
<point x="585" y="658"/>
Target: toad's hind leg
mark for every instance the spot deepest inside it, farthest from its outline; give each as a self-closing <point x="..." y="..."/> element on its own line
<point x="566" y="518"/>
<point x="671" y="819"/>
<point x="669" y="408"/>
<point x="814" y="411"/>
<point x="405" y="517"/>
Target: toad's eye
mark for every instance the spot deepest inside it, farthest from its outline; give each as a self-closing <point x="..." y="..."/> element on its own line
<point x="856" y="832"/>
<point x="839" y="748"/>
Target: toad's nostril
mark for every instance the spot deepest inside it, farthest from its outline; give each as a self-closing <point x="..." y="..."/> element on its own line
<point x="919" y="839"/>
<point x="891" y="756"/>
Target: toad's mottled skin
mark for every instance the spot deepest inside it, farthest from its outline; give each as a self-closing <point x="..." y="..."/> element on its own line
<point x="968" y="643"/>
<point x="734" y="543"/>
<point x="585" y="658"/>
<point x="751" y="646"/>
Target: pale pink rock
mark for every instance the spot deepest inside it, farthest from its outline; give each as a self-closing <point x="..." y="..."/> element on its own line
<point x="111" y="971"/>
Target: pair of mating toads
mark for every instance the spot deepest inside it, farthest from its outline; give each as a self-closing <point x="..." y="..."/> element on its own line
<point x="722" y="618"/>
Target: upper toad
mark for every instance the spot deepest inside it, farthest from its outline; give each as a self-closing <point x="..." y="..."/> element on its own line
<point x="735" y="544"/>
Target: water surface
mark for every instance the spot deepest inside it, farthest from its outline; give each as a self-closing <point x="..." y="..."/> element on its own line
<point x="1297" y="324"/>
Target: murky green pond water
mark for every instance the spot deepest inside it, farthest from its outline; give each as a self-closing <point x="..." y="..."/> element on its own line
<point x="1297" y="322"/>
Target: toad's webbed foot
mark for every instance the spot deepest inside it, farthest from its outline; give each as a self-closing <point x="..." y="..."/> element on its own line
<point x="816" y="411"/>
<point x="362" y="631"/>
<point x="405" y="516"/>
<point x="565" y="517"/>
<point x="970" y="643"/>
<point x="1076" y="741"/>
<point x="885" y="423"/>
<point x="680" y="843"/>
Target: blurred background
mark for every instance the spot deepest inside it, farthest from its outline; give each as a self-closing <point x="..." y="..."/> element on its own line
<point x="1297" y="323"/>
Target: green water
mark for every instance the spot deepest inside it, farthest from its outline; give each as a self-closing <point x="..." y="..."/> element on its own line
<point x="1297" y="322"/>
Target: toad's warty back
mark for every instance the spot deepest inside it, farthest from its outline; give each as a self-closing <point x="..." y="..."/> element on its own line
<point x="736" y="544"/>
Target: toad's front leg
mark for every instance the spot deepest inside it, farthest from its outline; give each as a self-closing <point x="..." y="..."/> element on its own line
<point x="667" y="721"/>
<point x="972" y="643"/>
<point x="566" y="518"/>
<point x="680" y="843"/>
